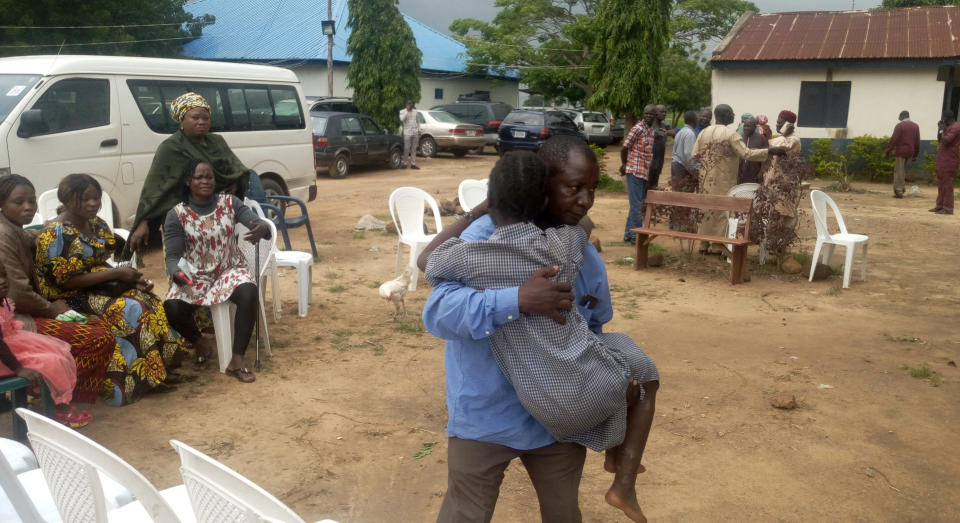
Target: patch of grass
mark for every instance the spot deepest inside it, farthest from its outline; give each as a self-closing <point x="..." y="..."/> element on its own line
<point x="327" y="242"/>
<point x="626" y="260"/>
<point x="654" y="249"/>
<point x="337" y="288"/>
<point x="922" y="372"/>
<point x="377" y="348"/>
<point x="318" y="337"/>
<point x="609" y="184"/>
<point x="331" y="275"/>
<point x="425" y="450"/>
<point x="280" y="343"/>
<point x="409" y="326"/>
<point x="359" y="235"/>
<point x="802" y="257"/>
<point x="342" y="333"/>
<point x="387" y="233"/>
<point x="903" y="339"/>
<point x="629" y="316"/>
<point x="375" y="284"/>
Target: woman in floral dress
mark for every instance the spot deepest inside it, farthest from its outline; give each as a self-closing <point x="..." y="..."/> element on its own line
<point x="71" y="260"/>
<point x="201" y="231"/>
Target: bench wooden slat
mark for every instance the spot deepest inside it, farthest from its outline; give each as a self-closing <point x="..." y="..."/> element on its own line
<point x="690" y="236"/>
<point x="699" y="201"/>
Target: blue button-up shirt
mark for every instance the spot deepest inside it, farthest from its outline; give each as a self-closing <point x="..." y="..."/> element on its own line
<point x="481" y="403"/>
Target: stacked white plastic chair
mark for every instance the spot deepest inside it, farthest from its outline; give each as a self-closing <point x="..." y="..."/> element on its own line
<point x="743" y="190"/>
<point x="48" y="202"/>
<point x="218" y="494"/>
<point x="25" y="496"/>
<point x="76" y="470"/>
<point x="222" y="314"/>
<point x="301" y="261"/>
<point x="826" y="241"/>
<point x="407" y="211"/>
<point x="471" y="192"/>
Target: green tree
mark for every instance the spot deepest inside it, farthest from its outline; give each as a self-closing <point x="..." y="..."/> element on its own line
<point x="113" y="27"/>
<point x="917" y="3"/>
<point x="384" y="69"/>
<point x="685" y="82"/>
<point x="630" y="42"/>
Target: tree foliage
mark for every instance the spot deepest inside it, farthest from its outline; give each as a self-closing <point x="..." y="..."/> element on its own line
<point x="917" y="3"/>
<point x="685" y="82"/>
<point x="164" y="27"/>
<point x="630" y="41"/>
<point x="694" y="22"/>
<point x="385" y="67"/>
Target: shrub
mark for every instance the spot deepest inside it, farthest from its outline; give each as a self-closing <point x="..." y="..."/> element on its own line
<point x="607" y="182"/>
<point x="829" y="163"/>
<point x="930" y="161"/>
<point x="867" y="155"/>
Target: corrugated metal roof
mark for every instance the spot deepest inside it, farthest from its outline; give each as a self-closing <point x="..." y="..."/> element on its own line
<point x="285" y="30"/>
<point x="913" y="32"/>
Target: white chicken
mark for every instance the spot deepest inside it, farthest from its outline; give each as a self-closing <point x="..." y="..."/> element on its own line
<point x="395" y="289"/>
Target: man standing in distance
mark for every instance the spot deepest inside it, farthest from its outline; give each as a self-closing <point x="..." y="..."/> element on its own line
<point x="719" y="150"/>
<point x="905" y="143"/>
<point x="659" y="146"/>
<point x="410" y="120"/>
<point x="703" y="120"/>
<point x="488" y="426"/>
<point x="636" y="156"/>
<point x="947" y="160"/>
<point x="750" y="171"/>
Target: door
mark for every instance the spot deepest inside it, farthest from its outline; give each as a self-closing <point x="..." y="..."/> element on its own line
<point x="352" y="133"/>
<point x="81" y="134"/>
<point x="376" y="139"/>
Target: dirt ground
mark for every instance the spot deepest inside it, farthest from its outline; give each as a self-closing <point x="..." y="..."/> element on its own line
<point x="347" y="419"/>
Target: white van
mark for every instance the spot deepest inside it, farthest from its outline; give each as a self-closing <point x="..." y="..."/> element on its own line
<point x="106" y="115"/>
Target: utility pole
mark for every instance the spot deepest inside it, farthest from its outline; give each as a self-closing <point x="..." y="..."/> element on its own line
<point x="330" y="50"/>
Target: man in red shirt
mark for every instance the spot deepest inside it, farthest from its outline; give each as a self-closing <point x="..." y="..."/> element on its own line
<point x="905" y="143"/>
<point x="947" y="160"/>
<point x="635" y="158"/>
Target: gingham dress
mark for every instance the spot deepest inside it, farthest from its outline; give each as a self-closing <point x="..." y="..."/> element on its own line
<point x="571" y="380"/>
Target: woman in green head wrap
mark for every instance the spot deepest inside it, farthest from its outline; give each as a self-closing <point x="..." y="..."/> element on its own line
<point x="161" y="190"/>
<point x="743" y="119"/>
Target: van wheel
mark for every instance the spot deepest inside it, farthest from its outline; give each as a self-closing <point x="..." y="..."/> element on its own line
<point x="340" y="166"/>
<point x="428" y="147"/>
<point x="395" y="158"/>
<point x="272" y="187"/>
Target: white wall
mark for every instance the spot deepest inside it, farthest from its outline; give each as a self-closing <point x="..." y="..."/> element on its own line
<point x="877" y="95"/>
<point x="314" y="81"/>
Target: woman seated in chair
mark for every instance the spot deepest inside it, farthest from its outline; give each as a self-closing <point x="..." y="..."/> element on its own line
<point x="71" y="260"/>
<point x="91" y="343"/>
<point x="200" y="231"/>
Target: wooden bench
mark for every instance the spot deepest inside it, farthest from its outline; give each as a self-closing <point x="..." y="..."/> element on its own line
<point x="645" y="234"/>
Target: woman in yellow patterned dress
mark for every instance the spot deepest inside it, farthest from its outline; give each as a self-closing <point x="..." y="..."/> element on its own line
<point x="71" y="260"/>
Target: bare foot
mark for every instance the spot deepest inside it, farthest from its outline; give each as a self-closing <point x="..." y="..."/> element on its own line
<point x="630" y="507"/>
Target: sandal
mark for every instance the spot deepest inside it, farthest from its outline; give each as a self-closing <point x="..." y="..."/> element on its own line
<point x="72" y="418"/>
<point x="200" y="362"/>
<point x="243" y="374"/>
<point x="175" y="379"/>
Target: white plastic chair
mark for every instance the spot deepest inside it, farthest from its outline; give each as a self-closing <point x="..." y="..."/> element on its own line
<point x="219" y="494"/>
<point x="743" y="190"/>
<point x="407" y="211"/>
<point x="471" y="192"/>
<point x="48" y="202"/>
<point x="271" y="273"/>
<point x="301" y="261"/>
<point x="819" y="200"/>
<point x="76" y="468"/>
<point x="25" y="496"/>
<point x="222" y="314"/>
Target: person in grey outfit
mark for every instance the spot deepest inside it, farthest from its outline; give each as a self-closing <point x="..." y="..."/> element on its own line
<point x="410" y="122"/>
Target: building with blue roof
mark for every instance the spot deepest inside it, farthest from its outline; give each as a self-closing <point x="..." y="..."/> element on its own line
<point x="256" y="31"/>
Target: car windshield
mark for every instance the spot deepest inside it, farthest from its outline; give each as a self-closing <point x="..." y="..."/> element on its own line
<point x="524" y="118"/>
<point x="443" y="116"/>
<point x="14" y="87"/>
<point x="319" y="125"/>
<point x="594" y="117"/>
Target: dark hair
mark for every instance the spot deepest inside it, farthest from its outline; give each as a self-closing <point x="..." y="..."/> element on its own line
<point x="72" y="186"/>
<point x="9" y="183"/>
<point x="518" y="185"/>
<point x="555" y="152"/>
<point x="904" y="114"/>
<point x="690" y="118"/>
<point x="185" y="176"/>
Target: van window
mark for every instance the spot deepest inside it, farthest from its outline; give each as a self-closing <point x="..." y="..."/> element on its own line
<point x="350" y="126"/>
<point x="234" y="107"/>
<point x="75" y="103"/>
<point x="12" y="89"/>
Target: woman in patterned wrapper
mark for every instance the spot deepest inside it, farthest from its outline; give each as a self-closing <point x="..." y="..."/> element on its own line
<point x="579" y="385"/>
<point x="200" y="230"/>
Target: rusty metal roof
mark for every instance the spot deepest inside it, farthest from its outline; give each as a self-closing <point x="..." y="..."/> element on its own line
<point x="913" y="32"/>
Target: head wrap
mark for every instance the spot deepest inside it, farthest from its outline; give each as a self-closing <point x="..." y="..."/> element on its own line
<point x="789" y="116"/>
<point x="762" y="119"/>
<point x="743" y="119"/>
<point x="183" y="103"/>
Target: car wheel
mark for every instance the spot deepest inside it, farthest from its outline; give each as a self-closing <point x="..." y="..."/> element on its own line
<point x="340" y="166"/>
<point x="459" y="153"/>
<point x="428" y="147"/>
<point x="395" y="158"/>
<point x="272" y="187"/>
<point x="478" y="150"/>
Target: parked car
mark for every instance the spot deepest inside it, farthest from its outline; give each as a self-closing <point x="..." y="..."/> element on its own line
<point x="616" y="131"/>
<point x="344" y="139"/>
<point x="442" y="131"/>
<point x="331" y="104"/>
<point x="594" y="126"/>
<point x="485" y="114"/>
<point x="527" y="129"/>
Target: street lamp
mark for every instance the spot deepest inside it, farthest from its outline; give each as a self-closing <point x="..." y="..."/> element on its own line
<point x="329" y="27"/>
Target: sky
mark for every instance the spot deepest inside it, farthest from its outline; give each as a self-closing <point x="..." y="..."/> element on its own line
<point x="439" y="13"/>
